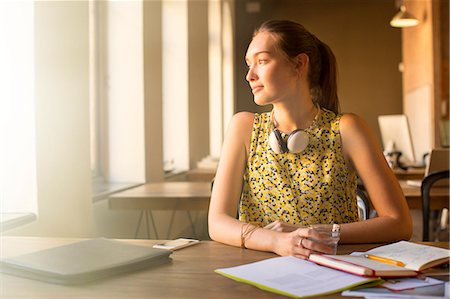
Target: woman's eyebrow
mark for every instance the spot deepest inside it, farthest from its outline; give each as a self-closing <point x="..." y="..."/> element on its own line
<point x="256" y="54"/>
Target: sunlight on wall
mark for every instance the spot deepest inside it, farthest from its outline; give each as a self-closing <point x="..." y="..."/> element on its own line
<point x="17" y="109"/>
<point x="175" y="85"/>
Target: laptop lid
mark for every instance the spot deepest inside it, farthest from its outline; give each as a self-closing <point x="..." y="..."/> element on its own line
<point x="439" y="161"/>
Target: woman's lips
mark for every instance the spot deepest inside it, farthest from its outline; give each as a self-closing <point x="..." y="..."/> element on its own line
<point x="256" y="88"/>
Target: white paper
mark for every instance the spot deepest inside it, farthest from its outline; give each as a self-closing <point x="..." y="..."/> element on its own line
<point x="440" y="291"/>
<point x="398" y="284"/>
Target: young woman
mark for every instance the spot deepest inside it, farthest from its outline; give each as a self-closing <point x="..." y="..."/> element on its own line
<point x="296" y="165"/>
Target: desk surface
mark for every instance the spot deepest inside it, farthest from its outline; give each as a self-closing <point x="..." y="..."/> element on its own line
<point x="201" y="174"/>
<point x="409" y="174"/>
<point x="164" y="196"/>
<point x="439" y="196"/>
<point x="190" y="274"/>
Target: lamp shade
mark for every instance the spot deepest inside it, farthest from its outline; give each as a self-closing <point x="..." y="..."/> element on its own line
<point x="403" y="19"/>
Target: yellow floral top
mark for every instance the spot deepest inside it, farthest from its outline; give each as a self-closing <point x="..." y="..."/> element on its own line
<point x="310" y="187"/>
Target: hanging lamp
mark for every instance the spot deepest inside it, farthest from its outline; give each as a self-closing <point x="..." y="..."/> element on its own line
<point x="403" y="19"/>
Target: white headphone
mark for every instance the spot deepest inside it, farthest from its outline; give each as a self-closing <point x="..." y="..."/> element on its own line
<point x="296" y="142"/>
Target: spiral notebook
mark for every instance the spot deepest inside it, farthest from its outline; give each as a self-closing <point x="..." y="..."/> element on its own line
<point x="83" y="261"/>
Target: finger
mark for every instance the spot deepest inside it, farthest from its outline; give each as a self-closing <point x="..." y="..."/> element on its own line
<point x="306" y="232"/>
<point x="301" y="251"/>
<point x="273" y="225"/>
<point x="270" y="225"/>
<point x="318" y="246"/>
<point x="311" y="233"/>
<point x="314" y="241"/>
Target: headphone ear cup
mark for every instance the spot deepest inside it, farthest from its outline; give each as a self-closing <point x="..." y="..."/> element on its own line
<point x="297" y="141"/>
<point x="277" y="143"/>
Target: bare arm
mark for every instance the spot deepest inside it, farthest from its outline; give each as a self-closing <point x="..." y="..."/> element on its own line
<point x="222" y="222"/>
<point x="363" y="154"/>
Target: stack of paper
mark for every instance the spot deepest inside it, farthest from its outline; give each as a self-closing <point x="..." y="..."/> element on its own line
<point x="433" y="289"/>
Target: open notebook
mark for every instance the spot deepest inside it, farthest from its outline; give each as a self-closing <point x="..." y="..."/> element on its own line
<point x="83" y="261"/>
<point x="294" y="277"/>
<point x="400" y="259"/>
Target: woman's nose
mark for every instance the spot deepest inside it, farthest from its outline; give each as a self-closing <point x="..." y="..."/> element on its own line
<point x="251" y="76"/>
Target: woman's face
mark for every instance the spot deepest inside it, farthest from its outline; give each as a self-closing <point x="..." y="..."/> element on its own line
<point x="272" y="77"/>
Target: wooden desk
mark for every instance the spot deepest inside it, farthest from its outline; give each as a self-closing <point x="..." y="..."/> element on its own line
<point x="409" y="174"/>
<point x="172" y="196"/>
<point x="190" y="274"/>
<point x="201" y="174"/>
<point x="439" y="196"/>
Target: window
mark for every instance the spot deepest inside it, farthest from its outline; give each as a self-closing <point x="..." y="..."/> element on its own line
<point x="94" y="90"/>
<point x="149" y="87"/>
<point x="18" y="192"/>
<point x="175" y="86"/>
<point x="116" y="96"/>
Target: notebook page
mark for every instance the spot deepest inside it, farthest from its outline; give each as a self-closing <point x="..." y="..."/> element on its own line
<point x="411" y="254"/>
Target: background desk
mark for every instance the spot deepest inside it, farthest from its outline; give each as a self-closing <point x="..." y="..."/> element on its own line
<point x="201" y="174"/>
<point x="190" y="274"/>
<point x="173" y="196"/>
<point x="439" y="196"/>
<point x="409" y="174"/>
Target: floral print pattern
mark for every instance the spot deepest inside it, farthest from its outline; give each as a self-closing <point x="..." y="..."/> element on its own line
<point x="306" y="188"/>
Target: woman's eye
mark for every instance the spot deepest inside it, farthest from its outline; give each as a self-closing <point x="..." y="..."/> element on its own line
<point x="262" y="61"/>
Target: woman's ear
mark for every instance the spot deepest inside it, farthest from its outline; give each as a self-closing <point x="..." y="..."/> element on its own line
<point x="302" y="63"/>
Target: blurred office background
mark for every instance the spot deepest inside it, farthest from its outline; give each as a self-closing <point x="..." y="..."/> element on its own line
<point x="119" y="93"/>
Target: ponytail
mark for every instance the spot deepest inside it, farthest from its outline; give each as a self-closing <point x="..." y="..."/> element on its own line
<point x="327" y="97"/>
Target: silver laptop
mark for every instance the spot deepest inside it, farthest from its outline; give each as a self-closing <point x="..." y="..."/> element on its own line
<point x="438" y="161"/>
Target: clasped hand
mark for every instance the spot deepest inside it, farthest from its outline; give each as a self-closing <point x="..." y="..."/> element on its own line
<point x="298" y="241"/>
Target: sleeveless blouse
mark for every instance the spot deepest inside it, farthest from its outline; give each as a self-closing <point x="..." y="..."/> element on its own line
<point x="306" y="188"/>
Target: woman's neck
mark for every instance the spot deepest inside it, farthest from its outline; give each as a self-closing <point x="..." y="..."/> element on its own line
<point x="288" y="118"/>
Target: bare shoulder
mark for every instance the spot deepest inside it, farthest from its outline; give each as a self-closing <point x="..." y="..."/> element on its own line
<point x="240" y="128"/>
<point x="242" y="122"/>
<point x="352" y="125"/>
<point x="356" y="133"/>
<point x="351" y="121"/>
<point x="244" y="118"/>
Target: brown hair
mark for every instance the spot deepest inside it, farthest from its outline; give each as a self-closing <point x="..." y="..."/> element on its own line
<point x="293" y="39"/>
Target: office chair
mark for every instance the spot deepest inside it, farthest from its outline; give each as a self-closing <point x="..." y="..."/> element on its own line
<point x="427" y="183"/>
<point x="363" y="204"/>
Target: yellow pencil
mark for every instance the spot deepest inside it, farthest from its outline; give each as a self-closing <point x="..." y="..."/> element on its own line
<point x="385" y="260"/>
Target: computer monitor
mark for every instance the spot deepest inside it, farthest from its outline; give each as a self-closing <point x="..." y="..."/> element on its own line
<point x="396" y="137"/>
